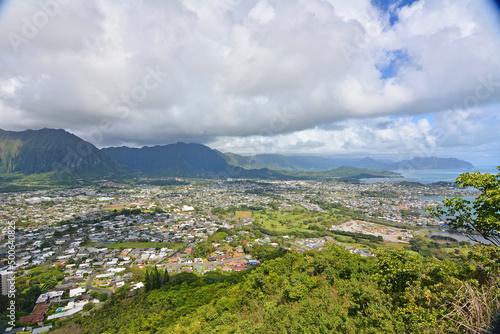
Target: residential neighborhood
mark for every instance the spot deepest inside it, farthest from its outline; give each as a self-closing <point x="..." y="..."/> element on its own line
<point x="86" y="244"/>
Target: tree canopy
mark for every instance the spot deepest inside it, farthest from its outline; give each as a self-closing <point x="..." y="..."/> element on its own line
<point x="480" y="216"/>
<point x="329" y="291"/>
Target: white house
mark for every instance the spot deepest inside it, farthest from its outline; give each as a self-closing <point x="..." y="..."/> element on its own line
<point x="76" y="292"/>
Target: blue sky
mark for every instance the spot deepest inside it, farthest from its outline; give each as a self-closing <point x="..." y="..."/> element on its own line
<point x="393" y="61"/>
<point x="390" y="8"/>
<point x="388" y="79"/>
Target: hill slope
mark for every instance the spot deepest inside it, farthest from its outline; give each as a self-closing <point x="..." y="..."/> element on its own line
<point x="282" y="162"/>
<point x="51" y="150"/>
<point x="331" y="291"/>
<point x="196" y="160"/>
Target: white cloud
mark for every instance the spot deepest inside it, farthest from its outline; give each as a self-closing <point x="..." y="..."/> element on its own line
<point x="262" y="12"/>
<point x="239" y="68"/>
<point x="465" y="134"/>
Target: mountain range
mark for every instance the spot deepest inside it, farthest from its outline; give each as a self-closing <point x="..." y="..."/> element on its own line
<point x="50" y="150"/>
<point x="318" y="163"/>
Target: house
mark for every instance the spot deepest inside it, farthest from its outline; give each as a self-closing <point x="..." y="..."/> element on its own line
<point x="239" y="268"/>
<point x="33" y="318"/>
<point x="40" y="309"/>
<point x="76" y="292"/>
<point x="11" y="330"/>
<point x="65" y="314"/>
<point x="118" y="284"/>
<point x="51" y="296"/>
<point x="41" y="329"/>
<point x="137" y="286"/>
<point x="108" y="275"/>
<point x="82" y="300"/>
<point x="65" y="286"/>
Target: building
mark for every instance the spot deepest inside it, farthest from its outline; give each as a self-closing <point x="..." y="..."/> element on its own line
<point x="51" y="297"/>
<point x="33" y="318"/>
<point x="5" y="278"/>
<point x="76" y="292"/>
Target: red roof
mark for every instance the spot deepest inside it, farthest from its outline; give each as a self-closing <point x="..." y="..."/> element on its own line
<point x="32" y="318"/>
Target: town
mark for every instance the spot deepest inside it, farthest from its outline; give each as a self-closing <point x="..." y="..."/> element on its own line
<point x="76" y="247"/>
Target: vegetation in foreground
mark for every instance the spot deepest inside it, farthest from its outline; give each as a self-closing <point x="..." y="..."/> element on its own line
<point x="314" y="292"/>
<point x="398" y="291"/>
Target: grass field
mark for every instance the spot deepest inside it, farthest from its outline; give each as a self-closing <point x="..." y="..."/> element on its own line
<point x="297" y="219"/>
<point x="146" y="245"/>
<point x="243" y="214"/>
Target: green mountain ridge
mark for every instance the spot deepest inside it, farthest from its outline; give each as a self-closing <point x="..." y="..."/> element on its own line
<point x="61" y="153"/>
<point x="51" y="150"/>
<point x="196" y="160"/>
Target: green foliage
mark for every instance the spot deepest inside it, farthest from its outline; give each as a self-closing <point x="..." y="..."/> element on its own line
<point x="53" y="151"/>
<point x="479" y="216"/>
<point x="102" y="296"/>
<point x="331" y="291"/>
<point x="426" y="247"/>
<point x="203" y="249"/>
<point x="155" y="279"/>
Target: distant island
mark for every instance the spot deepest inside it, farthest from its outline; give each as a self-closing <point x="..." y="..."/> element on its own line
<point x="319" y="163"/>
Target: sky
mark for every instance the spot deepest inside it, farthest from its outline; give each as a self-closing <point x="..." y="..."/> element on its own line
<point x="385" y="79"/>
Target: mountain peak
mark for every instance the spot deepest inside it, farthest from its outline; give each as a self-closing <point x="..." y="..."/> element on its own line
<point x="51" y="150"/>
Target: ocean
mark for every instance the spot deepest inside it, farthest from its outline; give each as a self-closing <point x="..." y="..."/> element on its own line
<point x="426" y="176"/>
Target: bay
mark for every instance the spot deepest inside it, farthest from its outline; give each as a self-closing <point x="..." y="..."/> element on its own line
<point x="459" y="236"/>
<point x="440" y="199"/>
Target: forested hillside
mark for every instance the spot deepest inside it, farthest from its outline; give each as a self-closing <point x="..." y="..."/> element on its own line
<point x="331" y="291"/>
<point x="52" y="150"/>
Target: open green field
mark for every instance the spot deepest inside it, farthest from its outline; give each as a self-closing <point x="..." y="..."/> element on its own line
<point x="117" y="207"/>
<point x="132" y="244"/>
<point x="298" y="219"/>
<point x="461" y="250"/>
<point x="243" y="214"/>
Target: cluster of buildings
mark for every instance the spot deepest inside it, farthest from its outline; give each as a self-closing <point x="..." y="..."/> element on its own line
<point x="84" y="232"/>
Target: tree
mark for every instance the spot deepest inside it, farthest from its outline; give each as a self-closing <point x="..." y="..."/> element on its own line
<point x="479" y="216"/>
<point x="147" y="281"/>
<point x="154" y="279"/>
<point x="102" y="296"/>
<point x="166" y="277"/>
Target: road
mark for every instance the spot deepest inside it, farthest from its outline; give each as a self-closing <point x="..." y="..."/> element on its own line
<point x="58" y="253"/>
<point x="90" y="287"/>
<point x="302" y="247"/>
<point x="179" y="250"/>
